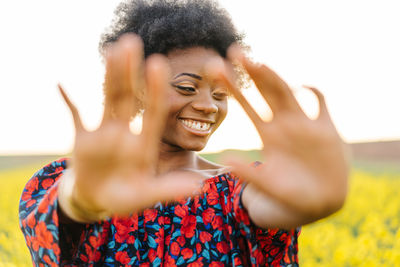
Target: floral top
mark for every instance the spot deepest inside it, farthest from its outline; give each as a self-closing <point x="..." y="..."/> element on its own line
<point x="211" y="229"/>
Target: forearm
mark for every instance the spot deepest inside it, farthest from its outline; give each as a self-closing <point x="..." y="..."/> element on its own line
<point x="266" y="212"/>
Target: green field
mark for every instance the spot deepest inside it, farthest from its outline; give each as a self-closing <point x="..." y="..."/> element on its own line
<point x="366" y="232"/>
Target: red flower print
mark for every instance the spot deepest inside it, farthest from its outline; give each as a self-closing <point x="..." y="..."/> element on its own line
<point x="206" y="186"/>
<point x="31" y="220"/>
<point x="238" y="261"/>
<point x="56" y="249"/>
<point x="217" y="222"/>
<point x="181" y="211"/>
<point x="187" y="253"/>
<point x="216" y="264"/>
<point x="205" y="237"/>
<point x="272" y="232"/>
<point x="226" y="205"/>
<point x="208" y="215"/>
<point x="197" y="263"/>
<point x="46" y="183"/>
<point x="265" y="241"/>
<point x="32" y="185"/>
<point x="53" y="194"/>
<point x="212" y="198"/>
<point x="49" y="262"/>
<point x="286" y="258"/>
<point x="55" y="217"/>
<point x="46" y="258"/>
<point x="283" y="236"/>
<point x="30" y="203"/>
<point x="95" y="241"/>
<point x="160" y="220"/>
<point x="160" y="236"/>
<point x="152" y="255"/>
<point x="150" y="215"/>
<point x="167" y="239"/>
<point x="276" y="262"/>
<point x="230" y="184"/>
<point x="44" y="205"/>
<point x="160" y="250"/>
<point x="241" y="215"/>
<point x="169" y="261"/>
<point x="44" y="237"/>
<point x="198" y="248"/>
<point x="175" y="249"/>
<point x="222" y="247"/>
<point x="26" y="195"/>
<point x="122" y="257"/>
<point x="196" y="204"/>
<point x="93" y="254"/>
<point x="35" y="243"/>
<point x="181" y="240"/>
<point x="83" y="258"/>
<point x="124" y="228"/>
<point x="188" y="226"/>
<point x="259" y="257"/>
<point x="274" y="251"/>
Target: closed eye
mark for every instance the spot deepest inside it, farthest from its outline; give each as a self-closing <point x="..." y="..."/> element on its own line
<point x="220" y="94"/>
<point x="186" y="88"/>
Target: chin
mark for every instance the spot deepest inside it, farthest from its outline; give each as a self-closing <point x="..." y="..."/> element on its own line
<point x="194" y="147"/>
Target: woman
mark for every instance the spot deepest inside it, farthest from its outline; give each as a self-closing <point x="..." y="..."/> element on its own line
<point x="148" y="198"/>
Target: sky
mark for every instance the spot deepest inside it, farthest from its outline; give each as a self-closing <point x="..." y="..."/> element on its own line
<point x="349" y="49"/>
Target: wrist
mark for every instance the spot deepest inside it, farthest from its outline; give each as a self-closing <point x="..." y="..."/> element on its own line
<point x="71" y="205"/>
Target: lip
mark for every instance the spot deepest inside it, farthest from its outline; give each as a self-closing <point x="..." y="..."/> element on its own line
<point x="194" y="131"/>
<point x="197" y="119"/>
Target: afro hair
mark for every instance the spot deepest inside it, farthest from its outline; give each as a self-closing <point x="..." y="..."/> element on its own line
<point x="166" y="25"/>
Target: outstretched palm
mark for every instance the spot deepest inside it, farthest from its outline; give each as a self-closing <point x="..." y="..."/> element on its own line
<point x="115" y="170"/>
<point x="305" y="166"/>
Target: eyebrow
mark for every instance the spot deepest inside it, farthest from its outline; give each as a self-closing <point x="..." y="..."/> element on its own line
<point x="189" y="74"/>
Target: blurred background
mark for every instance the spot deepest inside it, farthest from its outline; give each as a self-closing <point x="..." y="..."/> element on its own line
<point x="347" y="49"/>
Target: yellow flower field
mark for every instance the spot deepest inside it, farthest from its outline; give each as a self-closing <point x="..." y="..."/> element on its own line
<point x="366" y="232"/>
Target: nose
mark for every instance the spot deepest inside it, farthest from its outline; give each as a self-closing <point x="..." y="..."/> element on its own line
<point x="205" y="103"/>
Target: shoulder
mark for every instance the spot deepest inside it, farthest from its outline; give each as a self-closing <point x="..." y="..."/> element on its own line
<point x="49" y="174"/>
<point x="211" y="169"/>
<point x="50" y="171"/>
<point x="41" y="182"/>
<point x="53" y="168"/>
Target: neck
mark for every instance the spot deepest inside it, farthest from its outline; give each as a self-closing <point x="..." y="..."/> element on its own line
<point x="174" y="159"/>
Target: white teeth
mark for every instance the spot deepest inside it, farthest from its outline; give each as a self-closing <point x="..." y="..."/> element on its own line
<point x="197" y="125"/>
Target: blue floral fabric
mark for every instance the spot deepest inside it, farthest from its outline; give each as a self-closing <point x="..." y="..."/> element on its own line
<point x="209" y="229"/>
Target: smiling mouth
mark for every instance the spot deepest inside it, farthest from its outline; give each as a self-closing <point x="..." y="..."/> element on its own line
<point x="197" y="127"/>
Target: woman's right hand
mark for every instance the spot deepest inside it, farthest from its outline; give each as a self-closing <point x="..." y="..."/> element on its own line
<point x="114" y="170"/>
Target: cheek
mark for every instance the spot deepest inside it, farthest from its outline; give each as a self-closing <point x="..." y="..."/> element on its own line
<point x="222" y="110"/>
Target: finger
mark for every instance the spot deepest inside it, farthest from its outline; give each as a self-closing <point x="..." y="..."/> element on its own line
<point x="323" y="110"/>
<point x="174" y="185"/>
<point x="156" y="108"/>
<point x="123" y="69"/>
<point x="219" y="70"/>
<point x="74" y="111"/>
<point x="274" y="90"/>
<point x="138" y="196"/>
<point x="253" y="175"/>
<point x="287" y="190"/>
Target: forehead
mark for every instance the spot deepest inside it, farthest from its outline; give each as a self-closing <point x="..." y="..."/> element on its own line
<point x="191" y="59"/>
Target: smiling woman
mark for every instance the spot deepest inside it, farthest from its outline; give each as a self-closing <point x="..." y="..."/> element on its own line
<point x="148" y="198"/>
<point x="199" y="103"/>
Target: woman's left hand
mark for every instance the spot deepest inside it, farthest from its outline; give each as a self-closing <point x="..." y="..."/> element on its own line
<point x="306" y="170"/>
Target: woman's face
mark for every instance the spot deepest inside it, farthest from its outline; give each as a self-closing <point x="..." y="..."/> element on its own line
<point x="198" y="103"/>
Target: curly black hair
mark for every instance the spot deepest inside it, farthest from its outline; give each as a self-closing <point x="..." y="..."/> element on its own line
<point x="166" y="25"/>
